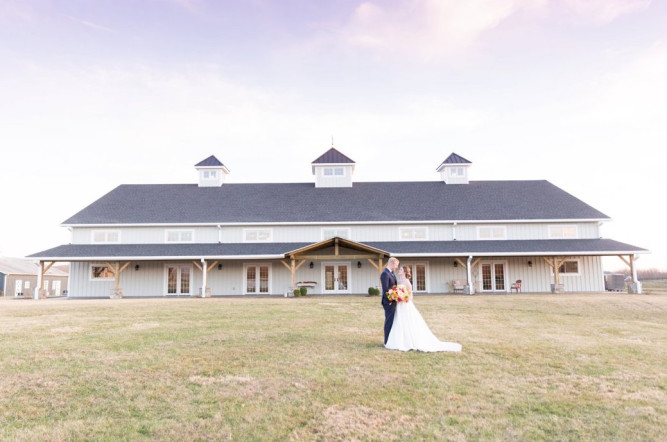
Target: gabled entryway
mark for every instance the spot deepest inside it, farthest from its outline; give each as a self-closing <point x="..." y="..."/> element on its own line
<point x="338" y="256"/>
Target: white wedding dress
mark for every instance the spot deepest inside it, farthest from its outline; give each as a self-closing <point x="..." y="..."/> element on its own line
<point x="410" y="332"/>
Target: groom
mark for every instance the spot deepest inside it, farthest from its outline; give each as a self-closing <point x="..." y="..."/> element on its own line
<point x="388" y="280"/>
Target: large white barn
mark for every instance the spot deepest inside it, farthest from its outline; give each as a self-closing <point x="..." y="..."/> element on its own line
<point x="334" y="236"/>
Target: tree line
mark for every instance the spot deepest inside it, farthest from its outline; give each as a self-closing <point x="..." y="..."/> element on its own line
<point x="645" y="274"/>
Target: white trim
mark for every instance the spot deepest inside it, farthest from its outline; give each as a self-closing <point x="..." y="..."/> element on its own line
<point x="492" y="238"/>
<point x="98" y="264"/>
<point x="505" y="280"/>
<point x="412" y="264"/>
<point x="415" y="230"/>
<point x="245" y="277"/>
<point x="337" y="229"/>
<point x="348" y="264"/>
<point x="106" y="233"/>
<point x="268" y="239"/>
<point x="569" y="274"/>
<point x="563" y="226"/>
<point x="281" y="256"/>
<point x="342" y="221"/>
<point x="180" y="232"/>
<point x="165" y="286"/>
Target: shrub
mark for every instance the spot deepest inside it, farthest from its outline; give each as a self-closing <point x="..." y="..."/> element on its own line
<point x="304" y="291"/>
<point x="297" y="292"/>
<point x="373" y="291"/>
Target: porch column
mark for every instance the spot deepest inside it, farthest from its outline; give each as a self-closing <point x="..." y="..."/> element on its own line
<point x="471" y="288"/>
<point x="204" y="274"/>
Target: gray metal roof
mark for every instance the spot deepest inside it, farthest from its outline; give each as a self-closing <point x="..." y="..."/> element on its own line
<point x="332" y="156"/>
<point x="363" y="202"/>
<point x="211" y="161"/>
<point x="22" y="266"/>
<point x="455" y="159"/>
<point x="559" y="247"/>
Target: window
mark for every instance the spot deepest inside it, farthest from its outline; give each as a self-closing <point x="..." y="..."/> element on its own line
<point x="334" y="171"/>
<point x="101" y="272"/>
<point x="210" y="174"/>
<point x="491" y="232"/>
<point x="418" y="272"/>
<point x="179" y="236"/>
<point x="257" y="279"/>
<point x="456" y="171"/>
<point x="106" y="236"/>
<point x="571" y="267"/>
<point x="331" y="232"/>
<point x="27" y="284"/>
<point x="257" y="235"/>
<point x="412" y="233"/>
<point x="561" y="232"/>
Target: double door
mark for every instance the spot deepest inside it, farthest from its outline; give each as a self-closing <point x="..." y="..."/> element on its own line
<point x="336" y="277"/>
<point x="493" y="277"/>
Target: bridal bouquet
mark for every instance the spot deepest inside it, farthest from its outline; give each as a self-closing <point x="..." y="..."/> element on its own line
<point x="399" y="293"/>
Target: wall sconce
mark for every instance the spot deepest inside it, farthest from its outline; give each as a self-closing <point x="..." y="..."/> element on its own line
<point x="358" y="264"/>
<point x="136" y="268"/>
<point x="219" y="266"/>
<point x="456" y="264"/>
<point x="311" y="264"/>
<point x="530" y="263"/>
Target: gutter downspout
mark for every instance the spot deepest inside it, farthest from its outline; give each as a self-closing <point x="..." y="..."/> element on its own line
<point x="471" y="289"/>
<point x="204" y="274"/>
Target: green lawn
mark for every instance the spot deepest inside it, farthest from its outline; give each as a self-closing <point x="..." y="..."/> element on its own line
<point x="533" y="367"/>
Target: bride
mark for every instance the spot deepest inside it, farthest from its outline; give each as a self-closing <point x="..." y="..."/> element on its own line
<point x="409" y="330"/>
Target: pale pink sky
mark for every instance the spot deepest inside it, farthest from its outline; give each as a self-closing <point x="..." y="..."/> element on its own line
<point x="96" y="94"/>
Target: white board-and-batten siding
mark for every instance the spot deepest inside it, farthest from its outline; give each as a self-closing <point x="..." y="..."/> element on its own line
<point x="315" y="233"/>
<point x="151" y="278"/>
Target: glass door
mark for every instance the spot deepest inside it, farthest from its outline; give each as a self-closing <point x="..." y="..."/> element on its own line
<point x="179" y="281"/>
<point x="493" y="277"/>
<point x="257" y="278"/>
<point x="418" y="277"/>
<point x="336" y="277"/>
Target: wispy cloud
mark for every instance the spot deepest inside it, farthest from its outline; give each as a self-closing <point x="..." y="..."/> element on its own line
<point x="89" y="24"/>
<point x="427" y="28"/>
<point x="604" y="11"/>
<point x="432" y="29"/>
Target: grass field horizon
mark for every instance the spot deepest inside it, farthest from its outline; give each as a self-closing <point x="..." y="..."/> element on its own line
<point x="533" y="367"/>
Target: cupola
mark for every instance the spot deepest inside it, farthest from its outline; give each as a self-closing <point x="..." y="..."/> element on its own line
<point x="454" y="170"/>
<point x="333" y="169"/>
<point x="212" y="172"/>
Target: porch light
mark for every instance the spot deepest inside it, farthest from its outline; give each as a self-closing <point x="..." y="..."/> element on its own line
<point x="358" y="264"/>
<point x="530" y="263"/>
<point x="219" y="266"/>
<point x="136" y="268"/>
<point x="455" y="264"/>
<point x="311" y="264"/>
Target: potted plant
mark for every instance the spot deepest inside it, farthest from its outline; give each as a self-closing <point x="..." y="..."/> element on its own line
<point x="303" y="290"/>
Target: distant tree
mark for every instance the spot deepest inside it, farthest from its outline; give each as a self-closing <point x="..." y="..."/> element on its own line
<point x="645" y="274"/>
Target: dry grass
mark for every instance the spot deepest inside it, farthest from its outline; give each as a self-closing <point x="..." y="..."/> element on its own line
<point x="554" y="367"/>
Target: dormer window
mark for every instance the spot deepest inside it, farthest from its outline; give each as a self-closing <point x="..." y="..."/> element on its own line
<point x="333" y="169"/>
<point x="211" y="172"/>
<point x="454" y="170"/>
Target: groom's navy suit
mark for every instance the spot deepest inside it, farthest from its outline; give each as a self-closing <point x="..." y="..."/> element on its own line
<point x="388" y="280"/>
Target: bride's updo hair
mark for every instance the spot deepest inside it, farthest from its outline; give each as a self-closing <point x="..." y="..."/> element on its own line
<point x="407" y="272"/>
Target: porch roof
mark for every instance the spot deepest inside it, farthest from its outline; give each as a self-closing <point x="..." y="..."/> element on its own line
<point x="425" y="249"/>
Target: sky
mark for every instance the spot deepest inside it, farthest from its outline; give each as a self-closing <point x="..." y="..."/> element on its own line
<point x="98" y="93"/>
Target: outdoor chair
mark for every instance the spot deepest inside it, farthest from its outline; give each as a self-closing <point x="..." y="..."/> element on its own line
<point x="458" y="286"/>
<point x="516" y="286"/>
